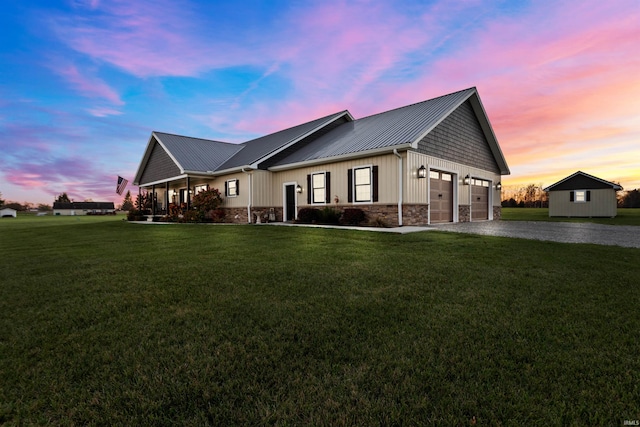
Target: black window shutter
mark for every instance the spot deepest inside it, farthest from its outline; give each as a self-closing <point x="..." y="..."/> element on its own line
<point x="226" y="189"/>
<point x="588" y="195"/>
<point x="309" y="189"/>
<point x="237" y="187"/>
<point x="350" y="185"/>
<point x="327" y="187"/>
<point x="571" y="196"/>
<point x="375" y="183"/>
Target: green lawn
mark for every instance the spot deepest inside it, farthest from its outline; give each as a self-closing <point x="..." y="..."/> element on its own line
<point x="624" y="217"/>
<point x="103" y="322"/>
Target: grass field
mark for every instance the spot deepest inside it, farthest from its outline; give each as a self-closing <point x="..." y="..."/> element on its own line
<point x="624" y="217"/>
<point x="103" y="322"/>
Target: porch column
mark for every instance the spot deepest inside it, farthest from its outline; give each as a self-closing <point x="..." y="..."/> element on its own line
<point x="188" y="195"/>
<point x="153" y="199"/>
<point x="166" y="198"/>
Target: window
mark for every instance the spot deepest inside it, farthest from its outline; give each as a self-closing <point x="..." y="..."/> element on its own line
<point x="199" y="188"/>
<point x="318" y="187"/>
<point x="434" y="174"/>
<point x="580" y="196"/>
<point x="362" y="184"/>
<point x="231" y="188"/>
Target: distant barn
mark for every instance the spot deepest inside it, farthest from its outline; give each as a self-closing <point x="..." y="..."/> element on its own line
<point x="83" y="208"/>
<point x="583" y="195"/>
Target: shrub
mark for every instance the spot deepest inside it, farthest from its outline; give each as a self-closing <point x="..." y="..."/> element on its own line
<point x="329" y="216"/>
<point x="215" y="215"/>
<point x="135" y="215"/>
<point x="192" y="216"/>
<point x="308" y="215"/>
<point x="207" y="200"/>
<point x="353" y="216"/>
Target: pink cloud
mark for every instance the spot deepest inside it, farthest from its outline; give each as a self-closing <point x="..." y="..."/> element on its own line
<point x="146" y="38"/>
<point x="89" y="86"/>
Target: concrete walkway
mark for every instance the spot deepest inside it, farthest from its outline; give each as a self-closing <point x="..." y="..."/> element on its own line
<point x="566" y="232"/>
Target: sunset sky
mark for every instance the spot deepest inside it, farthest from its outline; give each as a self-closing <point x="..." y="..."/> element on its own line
<point x="84" y="82"/>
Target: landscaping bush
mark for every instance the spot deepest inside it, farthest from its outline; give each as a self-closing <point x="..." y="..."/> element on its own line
<point x="329" y="216"/>
<point x="215" y="215"/>
<point x="308" y="215"/>
<point x="353" y="216"/>
<point x="192" y="216"/>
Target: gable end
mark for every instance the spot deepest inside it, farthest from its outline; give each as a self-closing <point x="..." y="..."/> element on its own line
<point x="459" y="138"/>
<point x="159" y="166"/>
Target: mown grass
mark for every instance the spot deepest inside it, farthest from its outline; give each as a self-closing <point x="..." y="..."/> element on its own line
<point x="625" y="216"/>
<point x="105" y="322"/>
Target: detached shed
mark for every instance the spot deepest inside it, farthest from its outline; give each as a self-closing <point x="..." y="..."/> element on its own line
<point x="583" y="195"/>
<point x="8" y="213"/>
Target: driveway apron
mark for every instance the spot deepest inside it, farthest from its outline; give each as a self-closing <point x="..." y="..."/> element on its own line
<point x="566" y="232"/>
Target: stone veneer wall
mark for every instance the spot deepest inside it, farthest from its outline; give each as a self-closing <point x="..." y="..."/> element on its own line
<point x="464" y="213"/>
<point x="235" y="215"/>
<point x="497" y="212"/>
<point x="415" y="214"/>
<point x="264" y="214"/>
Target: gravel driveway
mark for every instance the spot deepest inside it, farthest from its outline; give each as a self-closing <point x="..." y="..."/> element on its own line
<point x="567" y="232"/>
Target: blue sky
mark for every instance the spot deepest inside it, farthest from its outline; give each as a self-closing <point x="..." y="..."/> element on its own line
<point x="83" y="83"/>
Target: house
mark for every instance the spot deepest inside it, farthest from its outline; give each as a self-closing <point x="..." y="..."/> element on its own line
<point x="83" y="208"/>
<point x="583" y="195"/>
<point x="8" y="213"/>
<point x="433" y="161"/>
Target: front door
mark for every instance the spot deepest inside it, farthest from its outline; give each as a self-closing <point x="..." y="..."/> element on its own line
<point x="290" y="202"/>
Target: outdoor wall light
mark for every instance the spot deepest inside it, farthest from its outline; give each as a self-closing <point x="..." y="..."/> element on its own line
<point x="467" y="180"/>
<point x="298" y="189"/>
<point x="422" y="172"/>
<point x="499" y="186"/>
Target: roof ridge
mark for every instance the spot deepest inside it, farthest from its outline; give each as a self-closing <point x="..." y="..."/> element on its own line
<point x="298" y="125"/>
<point x="419" y="102"/>
<point x="195" y="137"/>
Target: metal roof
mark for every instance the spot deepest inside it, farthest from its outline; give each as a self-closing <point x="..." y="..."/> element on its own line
<point x="388" y="129"/>
<point x="260" y="148"/>
<point x="195" y="154"/>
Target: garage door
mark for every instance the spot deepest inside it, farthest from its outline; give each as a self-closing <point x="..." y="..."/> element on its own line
<point x="479" y="199"/>
<point x="441" y="196"/>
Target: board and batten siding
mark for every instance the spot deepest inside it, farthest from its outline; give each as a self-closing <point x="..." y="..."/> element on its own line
<point x="602" y="203"/>
<point x="387" y="180"/>
<point x="416" y="190"/>
<point x="159" y="166"/>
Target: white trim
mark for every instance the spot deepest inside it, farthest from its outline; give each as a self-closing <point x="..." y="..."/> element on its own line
<point x="341" y="157"/>
<point x="284" y="200"/>
<point x="312" y="189"/>
<point x="162" y="181"/>
<point x="353" y="189"/>
<point x="229" y="196"/>
<point x="575" y="196"/>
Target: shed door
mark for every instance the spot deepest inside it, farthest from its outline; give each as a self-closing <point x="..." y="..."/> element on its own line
<point x="479" y="199"/>
<point x="441" y="197"/>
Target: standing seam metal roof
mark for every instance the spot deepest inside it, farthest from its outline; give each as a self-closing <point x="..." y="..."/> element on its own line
<point x="258" y="148"/>
<point x="395" y="127"/>
<point x="195" y="154"/>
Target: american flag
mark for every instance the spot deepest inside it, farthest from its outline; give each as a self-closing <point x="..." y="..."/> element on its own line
<point x="122" y="183"/>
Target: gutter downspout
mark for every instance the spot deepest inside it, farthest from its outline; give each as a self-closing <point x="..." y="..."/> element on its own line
<point x="249" y="219"/>
<point x="399" y="156"/>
